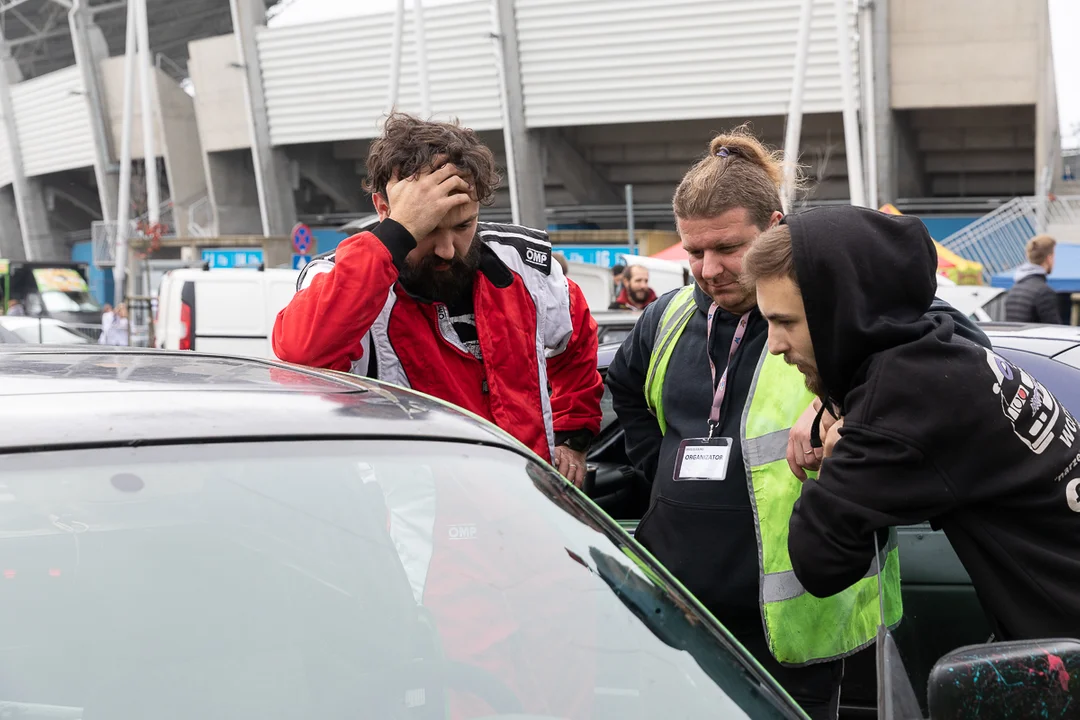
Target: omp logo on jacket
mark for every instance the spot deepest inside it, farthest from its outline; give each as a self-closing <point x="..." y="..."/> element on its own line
<point x="532" y="245"/>
<point x="463" y="532"/>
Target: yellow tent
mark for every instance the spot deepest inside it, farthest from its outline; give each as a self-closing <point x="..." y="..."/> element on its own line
<point x="951" y="265"/>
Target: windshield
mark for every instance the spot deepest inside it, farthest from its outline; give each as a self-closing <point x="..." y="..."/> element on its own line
<point x="57" y="301"/>
<point x="64" y="290"/>
<point x="337" y="580"/>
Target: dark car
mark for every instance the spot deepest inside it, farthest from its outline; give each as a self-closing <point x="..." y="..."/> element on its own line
<point x="187" y="536"/>
<point x="941" y="611"/>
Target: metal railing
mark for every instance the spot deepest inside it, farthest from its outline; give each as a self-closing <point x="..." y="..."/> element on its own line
<point x="103" y="243"/>
<point x="997" y="239"/>
<point x="201" y="218"/>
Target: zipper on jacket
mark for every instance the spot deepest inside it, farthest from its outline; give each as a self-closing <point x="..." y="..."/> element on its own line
<point x="484" y="387"/>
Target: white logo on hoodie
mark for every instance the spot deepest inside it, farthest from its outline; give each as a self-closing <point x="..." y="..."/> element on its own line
<point x="1072" y="494"/>
<point x="1030" y="408"/>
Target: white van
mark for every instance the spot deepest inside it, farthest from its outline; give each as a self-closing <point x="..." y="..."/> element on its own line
<point x="228" y="310"/>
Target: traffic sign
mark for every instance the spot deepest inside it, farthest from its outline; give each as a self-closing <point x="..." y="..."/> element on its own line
<point x="299" y="262"/>
<point x="302" y="239"/>
<point x="231" y="258"/>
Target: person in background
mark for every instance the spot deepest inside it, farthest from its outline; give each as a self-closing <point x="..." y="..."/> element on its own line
<point x="15" y="308"/>
<point x="479" y="315"/>
<point x="116" y="332"/>
<point x="932" y="427"/>
<point x="636" y="293"/>
<point x="107" y="317"/>
<point x="1031" y="299"/>
<point x="618" y="276"/>
<point x="474" y="313"/>
<point x="561" y="259"/>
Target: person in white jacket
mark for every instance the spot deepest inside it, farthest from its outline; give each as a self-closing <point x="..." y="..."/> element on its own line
<point x="114" y="327"/>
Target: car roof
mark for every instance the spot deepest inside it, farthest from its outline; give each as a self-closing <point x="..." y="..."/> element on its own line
<point x="228" y="273"/>
<point x="616" y="317"/>
<point x="17" y="321"/>
<point x="1033" y="330"/>
<point x="1047" y="340"/>
<point x="106" y="396"/>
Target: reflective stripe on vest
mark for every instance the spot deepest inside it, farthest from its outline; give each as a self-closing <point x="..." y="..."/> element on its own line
<point x="801" y="629"/>
<point x="673" y="322"/>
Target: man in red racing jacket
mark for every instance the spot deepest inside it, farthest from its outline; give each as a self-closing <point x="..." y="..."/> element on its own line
<point x="473" y="313"/>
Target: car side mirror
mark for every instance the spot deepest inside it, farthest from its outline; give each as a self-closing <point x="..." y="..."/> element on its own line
<point x="1022" y="679"/>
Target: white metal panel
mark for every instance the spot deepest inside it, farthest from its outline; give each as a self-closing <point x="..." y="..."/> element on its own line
<point x="53" y="120"/>
<point x="328" y="81"/>
<point x="613" y="61"/>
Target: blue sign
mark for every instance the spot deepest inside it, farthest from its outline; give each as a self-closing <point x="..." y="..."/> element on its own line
<point x="302" y="239"/>
<point x="299" y="262"/>
<point x="231" y="258"/>
<point x="602" y="255"/>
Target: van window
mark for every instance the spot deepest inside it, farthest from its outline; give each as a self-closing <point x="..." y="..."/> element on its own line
<point x="64" y="290"/>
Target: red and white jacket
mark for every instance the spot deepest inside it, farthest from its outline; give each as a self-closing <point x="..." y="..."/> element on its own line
<point x="538" y="378"/>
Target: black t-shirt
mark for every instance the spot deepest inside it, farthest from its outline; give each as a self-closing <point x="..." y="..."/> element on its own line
<point x="462" y="319"/>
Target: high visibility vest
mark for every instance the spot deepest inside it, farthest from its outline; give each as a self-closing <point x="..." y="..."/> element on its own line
<point x="800" y="628"/>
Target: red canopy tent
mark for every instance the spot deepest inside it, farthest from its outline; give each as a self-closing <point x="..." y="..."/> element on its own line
<point x="675" y="253"/>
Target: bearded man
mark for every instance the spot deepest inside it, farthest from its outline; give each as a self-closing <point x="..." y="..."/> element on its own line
<point x="474" y="313"/>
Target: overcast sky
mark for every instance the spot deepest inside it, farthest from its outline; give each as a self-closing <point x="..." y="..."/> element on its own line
<point x="1064" y="21"/>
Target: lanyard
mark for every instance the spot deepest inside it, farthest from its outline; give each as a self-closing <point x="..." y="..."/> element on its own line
<point x="721" y="387"/>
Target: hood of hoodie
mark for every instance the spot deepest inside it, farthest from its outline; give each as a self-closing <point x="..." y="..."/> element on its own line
<point x="867" y="281"/>
<point x="1027" y="270"/>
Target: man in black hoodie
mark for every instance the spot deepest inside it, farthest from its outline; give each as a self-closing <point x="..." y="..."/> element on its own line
<point x="933" y="427"/>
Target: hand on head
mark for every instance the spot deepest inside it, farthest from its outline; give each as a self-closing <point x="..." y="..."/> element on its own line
<point x="419" y="203"/>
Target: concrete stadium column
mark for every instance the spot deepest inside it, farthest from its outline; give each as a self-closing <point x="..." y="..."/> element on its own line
<point x="11" y="239"/>
<point x="886" y="133"/>
<point x="277" y="203"/>
<point x="526" y="145"/>
<point x="31" y="221"/>
<point x="231" y="186"/>
<point x="90" y="50"/>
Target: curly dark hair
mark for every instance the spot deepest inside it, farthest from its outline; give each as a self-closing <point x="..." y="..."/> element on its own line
<point x="410" y="145"/>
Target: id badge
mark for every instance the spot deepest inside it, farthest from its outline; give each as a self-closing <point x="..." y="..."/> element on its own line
<point x="703" y="459"/>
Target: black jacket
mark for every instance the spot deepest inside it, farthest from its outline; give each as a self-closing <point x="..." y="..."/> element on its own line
<point x="935" y="428"/>
<point x="1031" y="299"/>
<point x="702" y="531"/>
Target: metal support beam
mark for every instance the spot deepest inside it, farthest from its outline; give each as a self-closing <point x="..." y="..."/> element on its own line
<point x="6" y="5"/>
<point x="793" y="132"/>
<point x="148" y="97"/>
<point x="868" y="103"/>
<point x="123" y="205"/>
<point x="396" y="40"/>
<point x="421" y="59"/>
<point x="580" y="178"/>
<point x="883" y="117"/>
<point x="29" y="222"/>
<point x="277" y="204"/>
<point x="524" y="169"/>
<point x="104" y="171"/>
<point x="852" y="144"/>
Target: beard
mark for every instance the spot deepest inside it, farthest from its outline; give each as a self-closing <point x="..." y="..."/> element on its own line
<point x="813" y="380"/>
<point x="447" y="285"/>
<point x="639" y="296"/>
